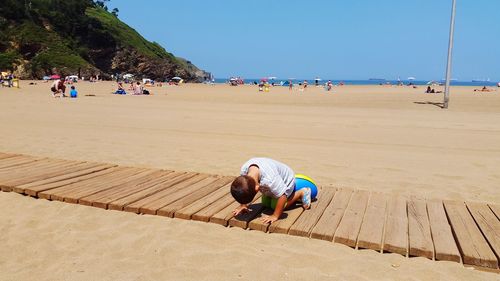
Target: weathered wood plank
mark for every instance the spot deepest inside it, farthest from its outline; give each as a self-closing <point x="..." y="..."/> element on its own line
<point x="372" y="229"/>
<point x="80" y="170"/>
<point x="396" y="227"/>
<point x="191" y="209"/>
<point x="419" y="229"/>
<point x="329" y="221"/>
<point x="223" y="216"/>
<point x="170" y="209"/>
<point x="444" y="244"/>
<point x="33" y="176"/>
<point x="76" y="195"/>
<point x="6" y="155"/>
<point x="130" y="183"/>
<point x="473" y="245"/>
<point x="102" y="199"/>
<point x="154" y="197"/>
<point x="58" y="192"/>
<point x="287" y="219"/>
<point x="495" y="209"/>
<point x="16" y="161"/>
<point x="34" y="189"/>
<point x="21" y="169"/>
<point x="348" y="230"/>
<point x="176" y="193"/>
<point x="255" y="223"/>
<point x="306" y="222"/>
<point x="488" y="223"/>
<point x="121" y="203"/>
<point x="205" y="214"/>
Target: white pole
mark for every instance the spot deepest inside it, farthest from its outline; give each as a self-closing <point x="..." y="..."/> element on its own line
<point x="450" y="50"/>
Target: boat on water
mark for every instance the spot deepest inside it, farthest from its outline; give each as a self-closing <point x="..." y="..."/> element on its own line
<point x="481" y="80"/>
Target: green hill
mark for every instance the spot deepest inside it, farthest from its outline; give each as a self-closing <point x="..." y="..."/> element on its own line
<point x="42" y="37"/>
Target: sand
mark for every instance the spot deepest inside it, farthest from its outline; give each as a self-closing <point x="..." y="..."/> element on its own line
<point x="388" y="139"/>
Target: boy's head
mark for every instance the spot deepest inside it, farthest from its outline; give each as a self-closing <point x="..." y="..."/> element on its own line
<point x="72" y="87"/>
<point x="243" y="189"/>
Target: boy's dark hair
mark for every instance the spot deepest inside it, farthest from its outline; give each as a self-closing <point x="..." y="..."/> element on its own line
<point x="243" y="189"/>
<point x="72" y="87"/>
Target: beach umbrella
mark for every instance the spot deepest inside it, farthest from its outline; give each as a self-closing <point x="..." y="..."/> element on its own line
<point x="55" y="77"/>
<point x="411" y="78"/>
<point x="176" y="78"/>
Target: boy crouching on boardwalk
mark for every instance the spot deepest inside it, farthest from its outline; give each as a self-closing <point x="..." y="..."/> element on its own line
<point x="275" y="180"/>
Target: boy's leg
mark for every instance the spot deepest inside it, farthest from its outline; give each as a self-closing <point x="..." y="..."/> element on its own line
<point x="297" y="195"/>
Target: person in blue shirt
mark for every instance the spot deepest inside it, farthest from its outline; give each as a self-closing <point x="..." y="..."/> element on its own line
<point x="73" y="93"/>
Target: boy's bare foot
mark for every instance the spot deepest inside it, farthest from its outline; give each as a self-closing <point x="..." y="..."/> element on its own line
<point x="306" y="199"/>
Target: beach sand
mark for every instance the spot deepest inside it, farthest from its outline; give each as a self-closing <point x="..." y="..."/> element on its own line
<point x="380" y="138"/>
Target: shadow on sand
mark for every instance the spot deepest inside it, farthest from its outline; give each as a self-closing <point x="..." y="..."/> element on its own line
<point x="438" y="104"/>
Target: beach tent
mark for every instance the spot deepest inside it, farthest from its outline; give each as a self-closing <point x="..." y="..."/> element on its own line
<point x="46" y="78"/>
<point x="128" y="76"/>
<point x="55" y="77"/>
<point x="176" y="78"/>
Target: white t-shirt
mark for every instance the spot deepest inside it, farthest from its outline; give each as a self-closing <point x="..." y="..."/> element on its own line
<point x="276" y="178"/>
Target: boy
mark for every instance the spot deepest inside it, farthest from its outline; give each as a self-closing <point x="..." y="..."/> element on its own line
<point x="273" y="179"/>
<point x="73" y="93"/>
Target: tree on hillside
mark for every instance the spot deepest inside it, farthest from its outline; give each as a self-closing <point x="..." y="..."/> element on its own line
<point x="115" y="12"/>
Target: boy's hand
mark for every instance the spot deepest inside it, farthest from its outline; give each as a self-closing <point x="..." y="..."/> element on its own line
<point x="269" y="219"/>
<point x="240" y="210"/>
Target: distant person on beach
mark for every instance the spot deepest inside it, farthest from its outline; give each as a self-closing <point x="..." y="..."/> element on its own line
<point x="58" y="88"/>
<point x="274" y="180"/>
<point x="329" y="85"/>
<point x="120" y="90"/>
<point x="138" y="89"/>
<point x="290" y="85"/>
<point x="305" y="84"/>
<point x="484" y="89"/>
<point x="73" y="93"/>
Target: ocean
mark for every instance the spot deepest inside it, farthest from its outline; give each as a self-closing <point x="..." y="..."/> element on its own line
<point x="369" y="82"/>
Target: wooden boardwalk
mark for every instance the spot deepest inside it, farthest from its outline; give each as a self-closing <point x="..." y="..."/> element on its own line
<point x="464" y="232"/>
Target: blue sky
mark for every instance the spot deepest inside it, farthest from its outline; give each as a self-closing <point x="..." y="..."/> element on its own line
<point x="331" y="39"/>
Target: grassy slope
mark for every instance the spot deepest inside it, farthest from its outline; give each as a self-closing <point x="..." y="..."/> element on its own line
<point x="127" y="36"/>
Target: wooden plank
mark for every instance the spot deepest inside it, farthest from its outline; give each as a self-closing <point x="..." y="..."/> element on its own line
<point x="223" y="216"/>
<point x="488" y="223"/>
<point x="191" y="209"/>
<point x="121" y="203"/>
<point x="329" y="221"/>
<point x="495" y="209"/>
<point x="38" y="175"/>
<point x="372" y="229"/>
<point x="475" y="250"/>
<point x="396" y="227"/>
<point x="135" y="207"/>
<point x="58" y="193"/>
<point x="419" y="229"/>
<point x="255" y="221"/>
<point x="102" y="199"/>
<point x="132" y="175"/>
<point x="217" y="207"/>
<point x="34" y="189"/>
<point x="287" y="219"/>
<point x="116" y="188"/>
<point x="306" y="222"/>
<point x="176" y="193"/>
<point x="242" y="220"/>
<point x="125" y="187"/>
<point x="444" y="244"/>
<point x="87" y="169"/>
<point x="24" y="167"/>
<point x="15" y="161"/>
<point x="348" y="230"/>
<point x="170" y="209"/>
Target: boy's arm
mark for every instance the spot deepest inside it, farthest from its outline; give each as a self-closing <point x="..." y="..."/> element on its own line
<point x="278" y="211"/>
